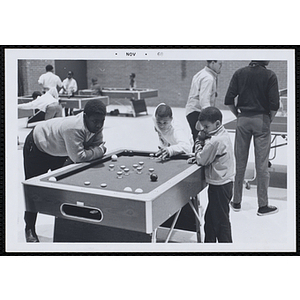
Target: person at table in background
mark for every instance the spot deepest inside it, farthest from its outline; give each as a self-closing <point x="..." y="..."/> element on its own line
<point x="214" y="151"/>
<point x="203" y="92"/>
<point x="173" y="140"/>
<point x="47" y="103"/>
<point x="95" y="86"/>
<point x="49" y="79"/>
<point x="69" y="87"/>
<point x="255" y="109"/>
<point x="132" y="82"/>
<point x="48" y="146"/>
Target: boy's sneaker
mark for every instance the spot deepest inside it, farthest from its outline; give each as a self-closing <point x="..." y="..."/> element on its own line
<point x="235" y="206"/>
<point x="267" y="210"/>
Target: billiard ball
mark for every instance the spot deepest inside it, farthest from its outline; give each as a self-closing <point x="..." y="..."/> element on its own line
<point x="153" y="177"/>
<point x="103" y="185"/>
<point x="87" y="183"/>
<point x="151" y="170"/>
<point x="52" y="178"/>
<point x="130" y="153"/>
<point x="128" y="189"/>
<point x="114" y="157"/>
<point x="138" y="190"/>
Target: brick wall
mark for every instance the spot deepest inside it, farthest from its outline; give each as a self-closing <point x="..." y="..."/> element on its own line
<point x="29" y="72"/>
<point x="172" y="79"/>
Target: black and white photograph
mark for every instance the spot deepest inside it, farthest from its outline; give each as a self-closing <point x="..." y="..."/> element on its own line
<point x="150" y="150"/>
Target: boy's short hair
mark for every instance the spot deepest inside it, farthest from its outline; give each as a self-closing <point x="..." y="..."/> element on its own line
<point x="49" y="68"/>
<point x="211" y="114"/>
<point x="163" y="111"/>
<point x="95" y="107"/>
<point x="210" y="61"/>
<point x="36" y="94"/>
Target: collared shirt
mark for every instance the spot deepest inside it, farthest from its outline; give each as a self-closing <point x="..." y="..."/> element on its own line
<point x="256" y="88"/>
<point x="203" y="90"/>
<point x="40" y="102"/>
<point x="70" y="85"/>
<point x="49" y="80"/>
<point x="68" y="137"/>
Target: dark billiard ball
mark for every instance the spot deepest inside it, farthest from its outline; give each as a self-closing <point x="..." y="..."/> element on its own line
<point x="153" y="177"/>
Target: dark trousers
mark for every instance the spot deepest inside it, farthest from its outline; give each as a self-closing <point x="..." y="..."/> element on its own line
<point x="192" y="119"/>
<point x="217" y="225"/>
<point x="68" y="111"/>
<point x="35" y="164"/>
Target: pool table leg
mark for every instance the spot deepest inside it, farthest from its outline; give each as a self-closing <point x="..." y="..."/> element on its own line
<point x="172" y="226"/>
<point x="154" y="236"/>
<point x="138" y="106"/>
<point x="195" y="207"/>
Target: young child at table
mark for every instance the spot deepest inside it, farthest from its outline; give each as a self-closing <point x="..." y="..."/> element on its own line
<point x="214" y="151"/>
<point x="173" y="140"/>
<point x="48" y="146"/>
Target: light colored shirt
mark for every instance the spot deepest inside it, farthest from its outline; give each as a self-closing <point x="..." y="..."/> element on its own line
<point x="217" y="157"/>
<point x="203" y="91"/>
<point x="70" y="85"/>
<point x="40" y="102"/>
<point x="49" y="80"/>
<point x="176" y="139"/>
<point x="68" y="137"/>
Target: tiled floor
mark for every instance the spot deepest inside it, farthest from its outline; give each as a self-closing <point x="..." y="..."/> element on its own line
<point x="250" y="232"/>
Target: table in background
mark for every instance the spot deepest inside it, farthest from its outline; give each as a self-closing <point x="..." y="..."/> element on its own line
<point x="91" y="213"/>
<point x="135" y="96"/>
<point x="75" y="102"/>
<point x="278" y="131"/>
<point x="79" y="101"/>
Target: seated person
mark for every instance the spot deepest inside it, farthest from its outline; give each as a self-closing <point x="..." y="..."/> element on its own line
<point x="173" y="139"/>
<point x="95" y="86"/>
<point x="48" y="103"/>
<point x="50" y="143"/>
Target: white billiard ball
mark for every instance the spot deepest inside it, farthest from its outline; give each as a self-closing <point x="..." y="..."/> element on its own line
<point x="114" y="157"/>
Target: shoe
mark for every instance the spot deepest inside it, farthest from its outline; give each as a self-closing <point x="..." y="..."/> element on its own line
<point x="235" y="206"/>
<point x="31" y="236"/>
<point x="267" y="210"/>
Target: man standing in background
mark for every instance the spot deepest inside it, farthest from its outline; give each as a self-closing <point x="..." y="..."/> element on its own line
<point x="203" y="92"/>
<point x="49" y="79"/>
<point x="255" y="109"/>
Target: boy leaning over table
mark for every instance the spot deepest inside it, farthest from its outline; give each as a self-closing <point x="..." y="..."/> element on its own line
<point x="77" y="138"/>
